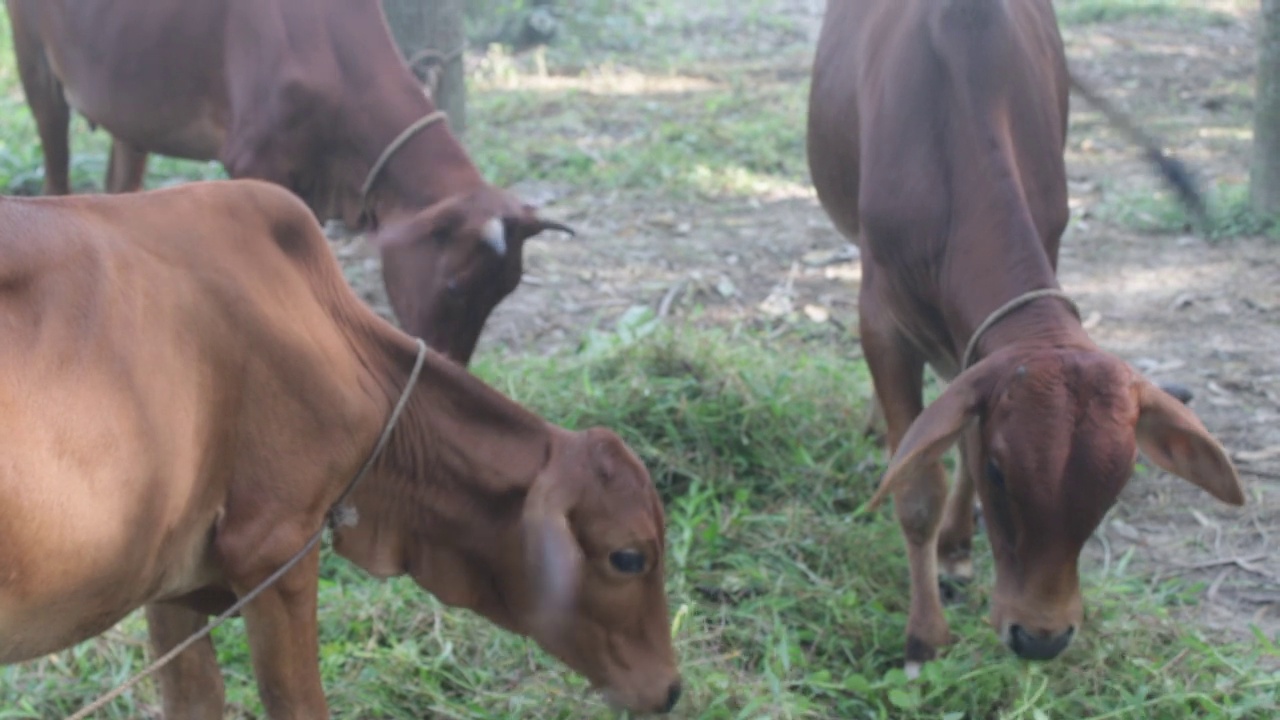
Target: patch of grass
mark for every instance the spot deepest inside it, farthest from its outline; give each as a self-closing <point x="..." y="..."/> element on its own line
<point x="1159" y="212"/>
<point x="789" y="601"/>
<point x="1084" y="12"/>
<point x="746" y="139"/>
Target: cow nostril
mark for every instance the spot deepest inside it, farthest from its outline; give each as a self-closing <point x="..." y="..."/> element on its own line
<point x="673" y="696"/>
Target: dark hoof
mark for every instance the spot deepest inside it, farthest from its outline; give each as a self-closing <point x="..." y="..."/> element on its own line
<point x="918" y="651"/>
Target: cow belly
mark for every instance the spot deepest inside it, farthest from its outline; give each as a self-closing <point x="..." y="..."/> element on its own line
<point x="74" y="563"/>
<point x="193" y="135"/>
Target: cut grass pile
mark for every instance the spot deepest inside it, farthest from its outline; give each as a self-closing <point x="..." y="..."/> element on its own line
<point x="788" y="600"/>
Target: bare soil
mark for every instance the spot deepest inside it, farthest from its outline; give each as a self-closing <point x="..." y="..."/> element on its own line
<point x="1182" y="309"/>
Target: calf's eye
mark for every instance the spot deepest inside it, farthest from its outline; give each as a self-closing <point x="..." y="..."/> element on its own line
<point x="630" y="562"/>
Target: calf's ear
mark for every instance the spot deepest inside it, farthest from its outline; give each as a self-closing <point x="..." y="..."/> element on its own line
<point x="553" y="556"/>
<point x="936" y="429"/>
<point x="1174" y="439"/>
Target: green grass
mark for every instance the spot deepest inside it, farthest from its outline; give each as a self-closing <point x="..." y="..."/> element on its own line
<point x="1084" y="12"/>
<point x="790" y="601"/>
<point x="734" y="138"/>
<point x="1159" y="212"/>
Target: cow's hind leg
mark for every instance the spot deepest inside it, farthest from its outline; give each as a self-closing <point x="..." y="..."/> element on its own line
<point x="48" y="104"/>
<point x="898" y="372"/>
<point x="955" y="539"/>
<point x="126" y="168"/>
<point x="191" y="685"/>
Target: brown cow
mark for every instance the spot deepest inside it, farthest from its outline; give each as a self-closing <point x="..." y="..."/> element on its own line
<point x="936" y="136"/>
<point x="304" y="93"/>
<point x="186" y="386"/>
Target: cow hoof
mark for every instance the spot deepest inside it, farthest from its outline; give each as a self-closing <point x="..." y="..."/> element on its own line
<point x="919" y="651"/>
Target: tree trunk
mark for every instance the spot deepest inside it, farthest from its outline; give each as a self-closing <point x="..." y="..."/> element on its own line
<point x="433" y="32"/>
<point x="1264" y="176"/>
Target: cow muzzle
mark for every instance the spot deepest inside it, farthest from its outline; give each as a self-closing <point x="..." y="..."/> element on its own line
<point x="661" y="700"/>
<point x="1037" y="644"/>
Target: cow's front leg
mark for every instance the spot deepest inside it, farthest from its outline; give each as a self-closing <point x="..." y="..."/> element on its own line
<point x="191" y="684"/>
<point x="955" y="539"/>
<point x="897" y="370"/>
<point x="283" y="642"/>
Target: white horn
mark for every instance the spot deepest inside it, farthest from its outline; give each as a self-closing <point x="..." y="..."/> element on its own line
<point x="493" y="234"/>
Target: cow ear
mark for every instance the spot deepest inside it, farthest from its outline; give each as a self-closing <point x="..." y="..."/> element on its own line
<point x="1174" y="439"/>
<point x="553" y="556"/>
<point x="937" y="428"/>
<point x="430" y="223"/>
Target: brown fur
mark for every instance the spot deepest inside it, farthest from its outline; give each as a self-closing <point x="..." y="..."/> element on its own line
<point x="187" y="384"/>
<point x="303" y="93"/>
<point x="936" y="130"/>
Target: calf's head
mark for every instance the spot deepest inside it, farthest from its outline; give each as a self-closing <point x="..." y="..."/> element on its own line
<point x="593" y="593"/>
<point x="448" y="266"/>
<point x="1050" y="439"/>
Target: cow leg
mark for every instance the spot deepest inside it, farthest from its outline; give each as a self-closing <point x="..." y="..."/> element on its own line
<point x="897" y="370"/>
<point x="126" y="168"/>
<point x="955" y="539"/>
<point x="283" y="640"/>
<point x="191" y="684"/>
<point x="48" y="105"/>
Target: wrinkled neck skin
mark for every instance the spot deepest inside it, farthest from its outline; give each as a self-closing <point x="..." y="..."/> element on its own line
<point x="444" y="502"/>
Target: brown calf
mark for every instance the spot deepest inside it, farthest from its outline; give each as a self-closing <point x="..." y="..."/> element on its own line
<point x="186" y="386"/>
<point x="936" y="135"/>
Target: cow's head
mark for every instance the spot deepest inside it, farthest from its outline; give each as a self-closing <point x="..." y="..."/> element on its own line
<point x="1050" y="440"/>
<point x="593" y="593"/>
<point x="448" y="266"/>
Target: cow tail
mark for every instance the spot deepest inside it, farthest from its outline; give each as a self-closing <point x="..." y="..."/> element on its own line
<point x="1175" y="172"/>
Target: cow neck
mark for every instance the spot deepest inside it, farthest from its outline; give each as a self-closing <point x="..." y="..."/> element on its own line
<point x="983" y="282"/>
<point x="445" y="499"/>
<point x="996" y="249"/>
<point x="426" y="168"/>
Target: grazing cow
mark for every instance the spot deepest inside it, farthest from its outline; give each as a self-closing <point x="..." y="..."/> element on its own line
<point x="936" y="132"/>
<point x="187" y="385"/>
<point x="308" y="94"/>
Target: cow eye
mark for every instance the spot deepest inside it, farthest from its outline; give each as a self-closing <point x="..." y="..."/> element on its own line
<point x="630" y="562"/>
<point x="995" y="475"/>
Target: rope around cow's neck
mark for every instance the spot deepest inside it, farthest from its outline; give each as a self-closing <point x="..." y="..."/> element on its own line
<point x="413" y="129"/>
<point x="1004" y="310"/>
<point x="331" y="520"/>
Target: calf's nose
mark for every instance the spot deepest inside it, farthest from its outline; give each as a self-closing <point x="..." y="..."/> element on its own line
<point x="1038" y="646"/>
<point x="673" y="697"/>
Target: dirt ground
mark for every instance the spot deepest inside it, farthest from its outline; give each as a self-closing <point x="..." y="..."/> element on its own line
<point x="1182" y="309"/>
